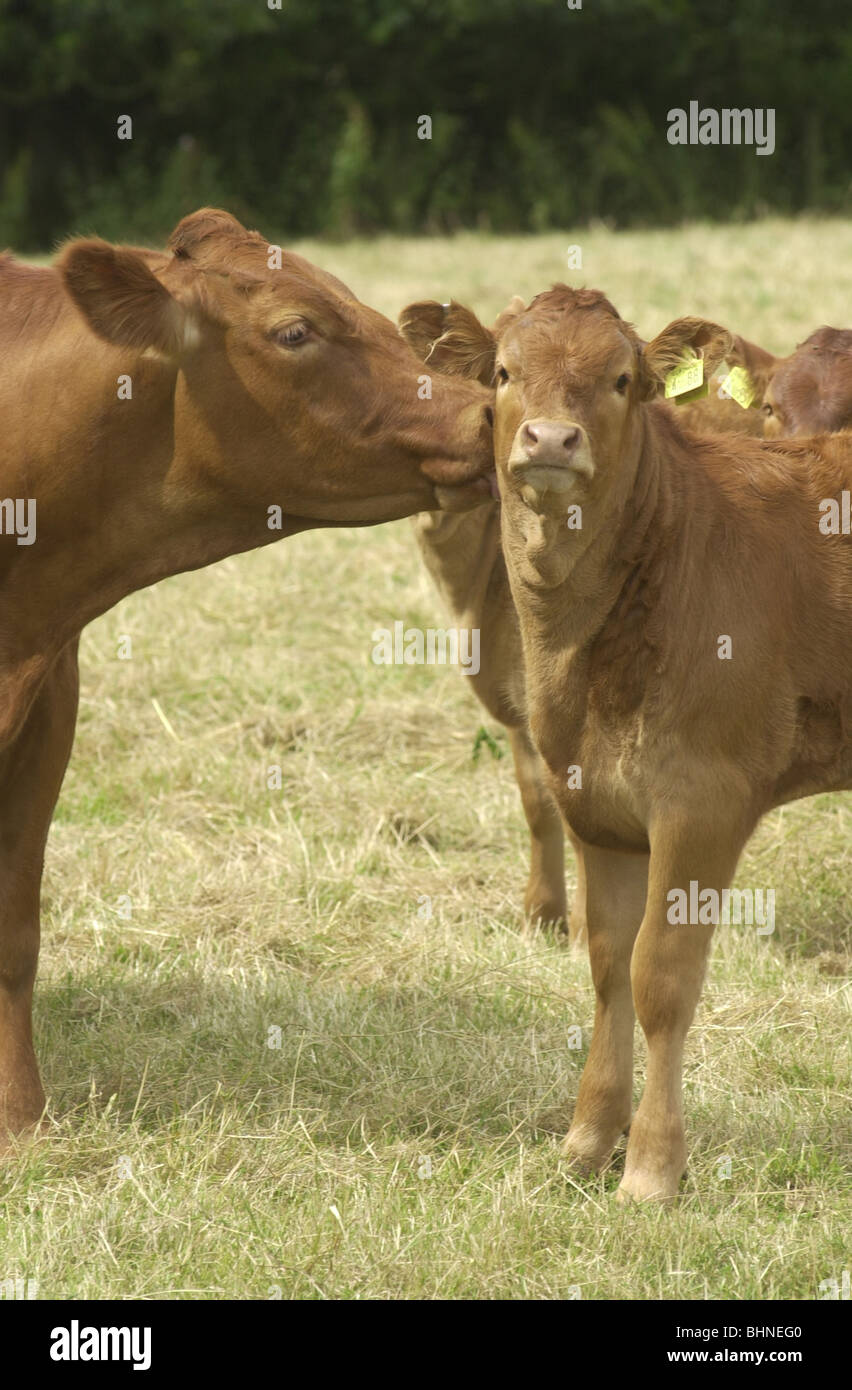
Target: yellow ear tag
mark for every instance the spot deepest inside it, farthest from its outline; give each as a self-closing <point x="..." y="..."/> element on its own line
<point x="687" y="376"/>
<point x="739" y="387"/>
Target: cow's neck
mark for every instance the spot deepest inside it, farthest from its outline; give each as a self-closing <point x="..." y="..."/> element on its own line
<point x="572" y="588"/>
<point x="567" y="580"/>
<point x="114" y="514"/>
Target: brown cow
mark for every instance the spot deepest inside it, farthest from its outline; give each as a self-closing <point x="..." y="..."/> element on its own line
<point x="465" y="560"/>
<point x="160" y="411"/>
<point x="806" y="393"/>
<point x="694" y="670"/>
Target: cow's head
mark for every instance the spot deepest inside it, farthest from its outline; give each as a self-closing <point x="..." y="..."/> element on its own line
<point x="287" y="388"/>
<point x="810" y="391"/>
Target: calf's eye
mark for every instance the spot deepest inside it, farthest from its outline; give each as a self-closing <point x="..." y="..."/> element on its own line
<point x="767" y="408"/>
<point x="623" y="382"/>
<point x="502" y="375"/>
<point x="291" y="334"/>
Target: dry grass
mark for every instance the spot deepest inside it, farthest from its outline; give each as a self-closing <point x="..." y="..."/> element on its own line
<point x="402" y="1140"/>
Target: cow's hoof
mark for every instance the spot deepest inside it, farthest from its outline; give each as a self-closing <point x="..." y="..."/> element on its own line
<point x="545" y="917"/>
<point x="585" y="1153"/>
<point x="576" y="1166"/>
<point x="12" y="1143"/>
<point x="641" y="1186"/>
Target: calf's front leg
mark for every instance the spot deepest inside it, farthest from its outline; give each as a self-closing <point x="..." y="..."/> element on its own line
<point x="667" y="973"/>
<point x="31" y="772"/>
<point x="616" y="886"/>
<point x="545" y="902"/>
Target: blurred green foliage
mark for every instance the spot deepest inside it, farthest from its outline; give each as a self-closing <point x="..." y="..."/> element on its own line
<point x="304" y="119"/>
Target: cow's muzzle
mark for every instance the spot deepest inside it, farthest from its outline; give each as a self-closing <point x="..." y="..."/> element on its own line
<point x="550" y="455"/>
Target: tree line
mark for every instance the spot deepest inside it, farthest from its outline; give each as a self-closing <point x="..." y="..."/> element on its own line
<point x="306" y="116"/>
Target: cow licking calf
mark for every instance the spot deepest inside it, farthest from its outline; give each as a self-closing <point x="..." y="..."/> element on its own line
<point x="691" y="550"/>
<point x="262" y="401"/>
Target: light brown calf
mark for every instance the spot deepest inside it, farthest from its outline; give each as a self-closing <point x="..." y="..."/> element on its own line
<point x="161" y="410"/>
<point x="464" y="557"/>
<point x="688" y="650"/>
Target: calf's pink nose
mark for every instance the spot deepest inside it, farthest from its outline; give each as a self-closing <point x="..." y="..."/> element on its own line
<point x="545" y="441"/>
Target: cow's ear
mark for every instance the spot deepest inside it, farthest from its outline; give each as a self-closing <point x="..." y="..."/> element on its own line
<point x="123" y="301"/>
<point x="449" y="338"/>
<point x="759" y="363"/>
<point x="421" y="325"/>
<point x="670" y="347"/>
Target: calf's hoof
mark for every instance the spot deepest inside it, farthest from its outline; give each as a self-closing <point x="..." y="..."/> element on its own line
<point x="647" y="1187"/>
<point x="21" y="1117"/>
<point x="544" y="914"/>
<point x="586" y="1150"/>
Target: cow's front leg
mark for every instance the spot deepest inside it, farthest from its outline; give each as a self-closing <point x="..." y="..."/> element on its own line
<point x="31" y="772"/>
<point x="667" y="973"/>
<point x="545" y="902"/>
<point x="616" y="886"/>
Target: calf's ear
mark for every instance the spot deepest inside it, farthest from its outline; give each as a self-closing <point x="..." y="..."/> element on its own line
<point x="669" y="348"/>
<point x="759" y="363"/>
<point x="515" y="307"/>
<point x="449" y="338"/>
<point x="197" y="227"/>
<point x="123" y="301"/>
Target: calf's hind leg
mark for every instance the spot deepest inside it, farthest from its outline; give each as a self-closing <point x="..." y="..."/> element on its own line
<point x="31" y="772"/>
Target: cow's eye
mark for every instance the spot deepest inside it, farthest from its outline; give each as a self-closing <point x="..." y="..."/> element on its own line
<point x="623" y="382"/>
<point x="502" y="375"/>
<point x="767" y="408"/>
<point x="292" y="334"/>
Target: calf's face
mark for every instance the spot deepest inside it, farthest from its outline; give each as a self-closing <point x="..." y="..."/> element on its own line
<point x="572" y="381"/>
<point x="288" y="389"/>
<point x="572" y="378"/>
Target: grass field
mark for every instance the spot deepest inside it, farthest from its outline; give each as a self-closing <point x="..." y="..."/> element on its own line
<point x="402" y="1140"/>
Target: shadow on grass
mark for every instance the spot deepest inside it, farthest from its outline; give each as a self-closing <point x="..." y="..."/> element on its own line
<point x="402" y="1062"/>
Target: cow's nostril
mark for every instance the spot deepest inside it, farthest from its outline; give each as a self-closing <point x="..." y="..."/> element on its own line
<point x="571" y="440"/>
<point x="530" y="435"/>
